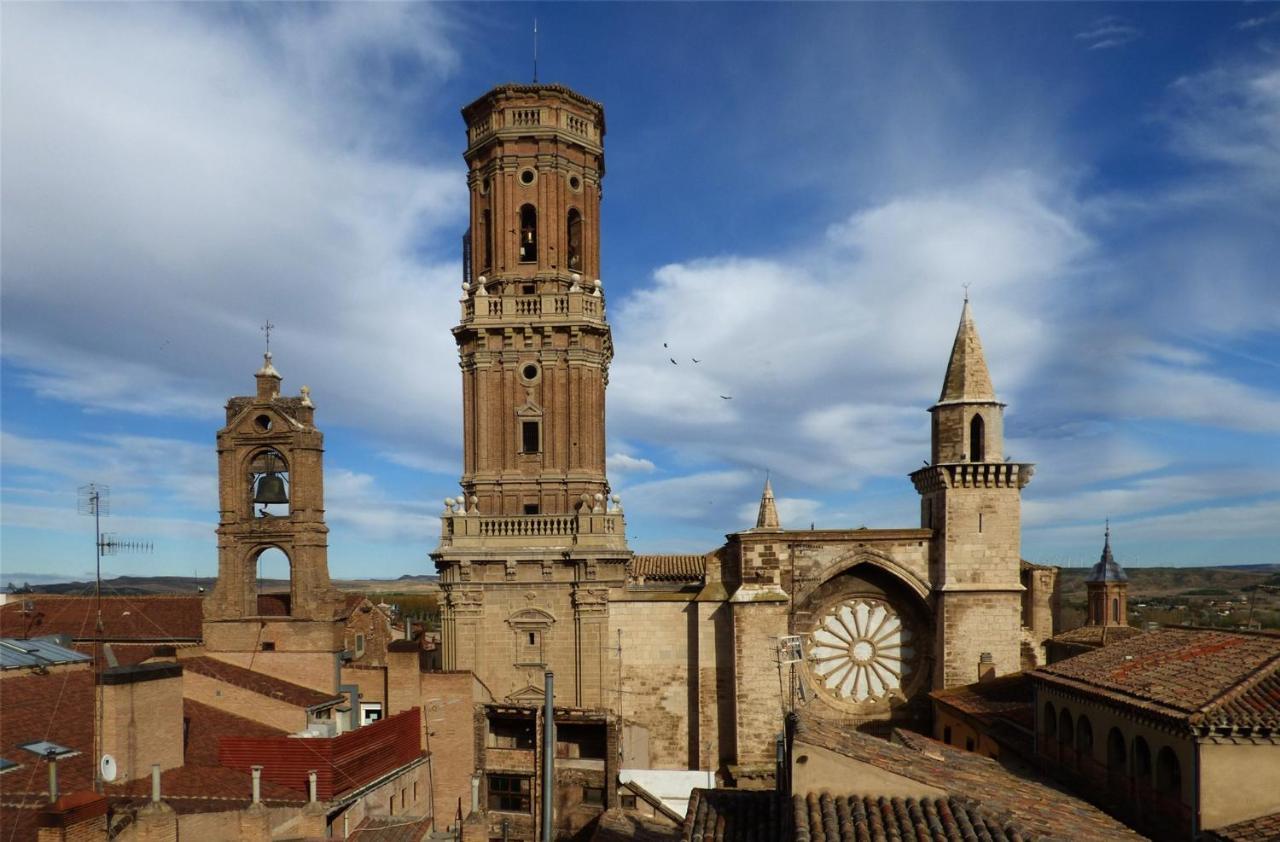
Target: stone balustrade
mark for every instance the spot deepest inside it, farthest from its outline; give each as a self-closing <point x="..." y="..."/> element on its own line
<point x="570" y="306"/>
<point x="602" y="529"/>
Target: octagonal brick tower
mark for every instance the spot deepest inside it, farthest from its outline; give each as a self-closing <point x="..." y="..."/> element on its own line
<point x="529" y="552"/>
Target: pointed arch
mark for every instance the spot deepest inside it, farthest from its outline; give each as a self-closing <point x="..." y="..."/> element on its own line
<point x="885" y="562"/>
<point x="573" y="239"/>
<point x="977" y="439"/>
<point x="528" y="234"/>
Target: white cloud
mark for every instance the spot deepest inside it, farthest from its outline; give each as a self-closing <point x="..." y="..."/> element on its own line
<point x="622" y="463"/>
<point x="1109" y="32"/>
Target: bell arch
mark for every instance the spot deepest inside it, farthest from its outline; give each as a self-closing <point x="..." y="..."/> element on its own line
<point x="268" y="482"/>
<point x="273" y="580"/>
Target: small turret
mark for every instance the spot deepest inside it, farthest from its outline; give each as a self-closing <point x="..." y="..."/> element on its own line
<point x="1108" y="587"/>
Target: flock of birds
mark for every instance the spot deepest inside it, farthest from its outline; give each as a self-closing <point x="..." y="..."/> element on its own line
<point x="695" y="360"/>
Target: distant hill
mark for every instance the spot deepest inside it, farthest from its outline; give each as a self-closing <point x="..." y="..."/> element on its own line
<point x="1147" y="582"/>
<point x="144" y="585"/>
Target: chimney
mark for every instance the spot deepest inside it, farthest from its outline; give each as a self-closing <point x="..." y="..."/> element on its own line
<point x="53" y="777"/>
<point x="257" y="784"/>
<point x="311" y="786"/>
<point x="155" y="783"/>
<point x="986" y="667"/>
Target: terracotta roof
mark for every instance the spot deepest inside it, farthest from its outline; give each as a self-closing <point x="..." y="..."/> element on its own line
<point x="257" y="682"/>
<point x="391" y="829"/>
<point x="58" y="707"/>
<point x="618" y="825"/>
<point x="735" y="815"/>
<point x="1198" y="676"/>
<point x="1005" y="706"/>
<point x="205" y="789"/>
<point x="1262" y="829"/>
<point x="669" y="568"/>
<point x="150" y="618"/>
<point x="1095" y="636"/>
<point x="927" y="819"/>
<point x="205" y="725"/>
<point x="1033" y="804"/>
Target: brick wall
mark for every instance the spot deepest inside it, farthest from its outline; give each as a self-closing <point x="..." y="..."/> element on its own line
<point x="241" y="702"/>
<point x="142" y="724"/>
<point x="448" y="704"/>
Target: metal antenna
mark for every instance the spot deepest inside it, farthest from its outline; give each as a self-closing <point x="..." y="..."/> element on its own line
<point x="267" y="328"/>
<point x="966" y="291"/>
<point x="535" y="51"/>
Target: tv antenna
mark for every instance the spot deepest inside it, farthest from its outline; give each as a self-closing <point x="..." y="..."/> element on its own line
<point x="267" y="326"/>
<point x="535" y="51"/>
<point x="95" y="499"/>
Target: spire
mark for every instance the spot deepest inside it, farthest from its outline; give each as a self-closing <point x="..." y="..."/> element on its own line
<point x="768" y="516"/>
<point x="967" y="376"/>
<point x="1107" y="569"/>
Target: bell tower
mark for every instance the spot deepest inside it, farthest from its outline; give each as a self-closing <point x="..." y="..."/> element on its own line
<point x="533" y="343"/>
<point x="971" y="498"/>
<point x="271" y="495"/>
<point x="529" y="552"/>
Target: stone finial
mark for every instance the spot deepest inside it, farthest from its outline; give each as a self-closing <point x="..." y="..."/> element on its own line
<point x="768" y="515"/>
<point x="448" y="505"/>
<point x="967" y="377"/>
<point x="598" y="508"/>
<point x="306" y="397"/>
<point x="475" y="505"/>
<point x="617" y="504"/>
<point x="267" y="370"/>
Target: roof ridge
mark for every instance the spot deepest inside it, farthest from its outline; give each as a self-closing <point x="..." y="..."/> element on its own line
<point x="1260" y="673"/>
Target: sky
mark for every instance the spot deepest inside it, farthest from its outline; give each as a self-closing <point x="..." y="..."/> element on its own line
<point x="796" y="195"/>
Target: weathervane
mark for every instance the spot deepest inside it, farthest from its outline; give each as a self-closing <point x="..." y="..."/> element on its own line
<point x="267" y="328"/>
<point x="966" y="291"/>
<point x="535" y="51"/>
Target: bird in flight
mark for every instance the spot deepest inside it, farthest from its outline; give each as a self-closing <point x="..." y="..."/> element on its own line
<point x="726" y="397"/>
<point x="664" y="344"/>
<point x="673" y="361"/>
<point x="695" y="359"/>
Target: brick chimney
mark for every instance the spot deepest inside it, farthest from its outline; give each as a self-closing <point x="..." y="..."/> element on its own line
<point x="142" y="717"/>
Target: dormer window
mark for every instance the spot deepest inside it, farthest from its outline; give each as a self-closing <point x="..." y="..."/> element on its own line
<point x="528" y="234"/>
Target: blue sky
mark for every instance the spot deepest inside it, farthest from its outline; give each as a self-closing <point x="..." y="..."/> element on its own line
<point x="795" y="195"/>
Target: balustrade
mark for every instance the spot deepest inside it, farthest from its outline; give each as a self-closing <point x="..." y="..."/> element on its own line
<point x="526" y="117"/>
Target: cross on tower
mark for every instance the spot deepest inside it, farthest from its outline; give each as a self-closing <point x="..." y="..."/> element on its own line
<point x="266" y="328"/>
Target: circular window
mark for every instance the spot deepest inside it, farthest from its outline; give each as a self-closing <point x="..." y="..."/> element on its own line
<point x="575" y="183"/>
<point x="529" y="372"/>
<point x="861" y="651"/>
<point x="263" y="423"/>
<point x="527" y="176"/>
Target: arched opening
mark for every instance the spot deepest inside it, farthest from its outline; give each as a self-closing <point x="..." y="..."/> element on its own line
<point x="1168" y="774"/>
<point x="486" y="238"/>
<point x="1084" y="738"/>
<point x="1117" y="754"/>
<point x="1141" y="761"/>
<point x="573" y="239"/>
<point x="1050" y="721"/>
<point x="977" y="439"/>
<point x="269" y="484"/>
<point x="1066" y="729"/>
<point x="528" y="234"/>
<point x="275" y="581"/>
<point x="1115" y="610"/>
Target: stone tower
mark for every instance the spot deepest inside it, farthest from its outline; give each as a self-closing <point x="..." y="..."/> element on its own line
<point x="270" y="441"/>
<point x="1108" y="590"/>
<point x="971" y="498"/>
<point x="530" y="549"/>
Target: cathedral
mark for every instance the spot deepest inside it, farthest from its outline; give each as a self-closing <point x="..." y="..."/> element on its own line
<point x="697" y="656"/>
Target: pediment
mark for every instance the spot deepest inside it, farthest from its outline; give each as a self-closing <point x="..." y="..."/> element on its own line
<point x="529" y="693"/>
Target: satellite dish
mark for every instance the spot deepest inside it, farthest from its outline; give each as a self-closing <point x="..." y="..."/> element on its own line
<point x="107" y="768"/>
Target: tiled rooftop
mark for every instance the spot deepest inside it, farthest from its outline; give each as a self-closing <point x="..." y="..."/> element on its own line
<point x="630" y="826"/>
<point x="163" y="619"/>
<point x="1197" y="676"/>
<point x="828" y="817"/>
<point x="1097" y="635"/>
<point x="669" y="568"/>
<point x="735" y="815"/>
<point x="391" y="829"/>
<point x="257" y="682"/>
<point x="1262" y="829"/>
<point x="1039" y="807"/>
<point x="1004" y="705"/>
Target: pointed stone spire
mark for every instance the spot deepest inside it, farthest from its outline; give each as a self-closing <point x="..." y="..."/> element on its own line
<point x="967" y="376"/>
<point x="768" y="516"/>
<point x="1107" y="569"/>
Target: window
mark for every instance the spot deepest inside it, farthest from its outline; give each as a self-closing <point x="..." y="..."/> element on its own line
<point x="593" y="795"/>
<point x="359" y="645"/>
<point x="1116" y="753"/>
<point x="486" y="234"/>
<point x="946" y="735"/>
<point x="528" y="234"/>
<point x="1084" y="737"/>
<point x="977" y="440"/>
<point x="531" y="508"/>
<point x="979" y="521"/>
<point x="511" y="733"/>
<point x="268" y="646"/>
<point x="573" y="239"/>
<point x="509" y="793"/>
<point x="1115" y="610"/>
<point x="968" y="743"/>
<point x="530" y="437"/>
<point x="1050" y="720"/>
<point x="628" y="801"/>
<point x="1168" y="774"/>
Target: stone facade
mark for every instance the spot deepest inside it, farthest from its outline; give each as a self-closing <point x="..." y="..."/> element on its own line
<point x="699" y="656"/>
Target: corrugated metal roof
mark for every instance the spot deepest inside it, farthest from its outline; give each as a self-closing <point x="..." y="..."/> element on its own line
<point x="36" y="652"/>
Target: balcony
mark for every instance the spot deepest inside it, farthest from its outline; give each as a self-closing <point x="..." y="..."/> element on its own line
<point x="604" y="530"/>
<point x="551" y="307"/>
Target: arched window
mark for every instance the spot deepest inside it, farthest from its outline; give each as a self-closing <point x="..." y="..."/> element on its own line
<point x="528" y="234"/>
<point x="1168" y="773"/>
<point x="268" y="480"/>
<point x="275" y="583"/>
<point x="1117" y="760"/>
<point x="573" y="239"/>
<point x="1066" y="728"/>
<point x="977" y="439"/>
<point x="1115" y="610"/>
<point x="1050" y="720"/>
<point x="1084" y="736"/>
<point x="1141" y="761"/>
<point x="486" y="234"/>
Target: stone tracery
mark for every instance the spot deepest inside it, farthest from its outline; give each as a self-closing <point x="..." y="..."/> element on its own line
<point x="861" y="651"/>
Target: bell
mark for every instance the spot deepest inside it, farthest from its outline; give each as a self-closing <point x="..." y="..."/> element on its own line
<point x="271" y="489"/>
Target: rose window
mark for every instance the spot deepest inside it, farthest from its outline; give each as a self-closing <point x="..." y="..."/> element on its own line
<point x="860" y="651"/>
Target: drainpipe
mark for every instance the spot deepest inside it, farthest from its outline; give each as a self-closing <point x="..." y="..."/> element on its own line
<point x="53" y="777"/>
<point x="548" y="755"/>
<point x="155" y="783"/>
<point x="257" y="784"/>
